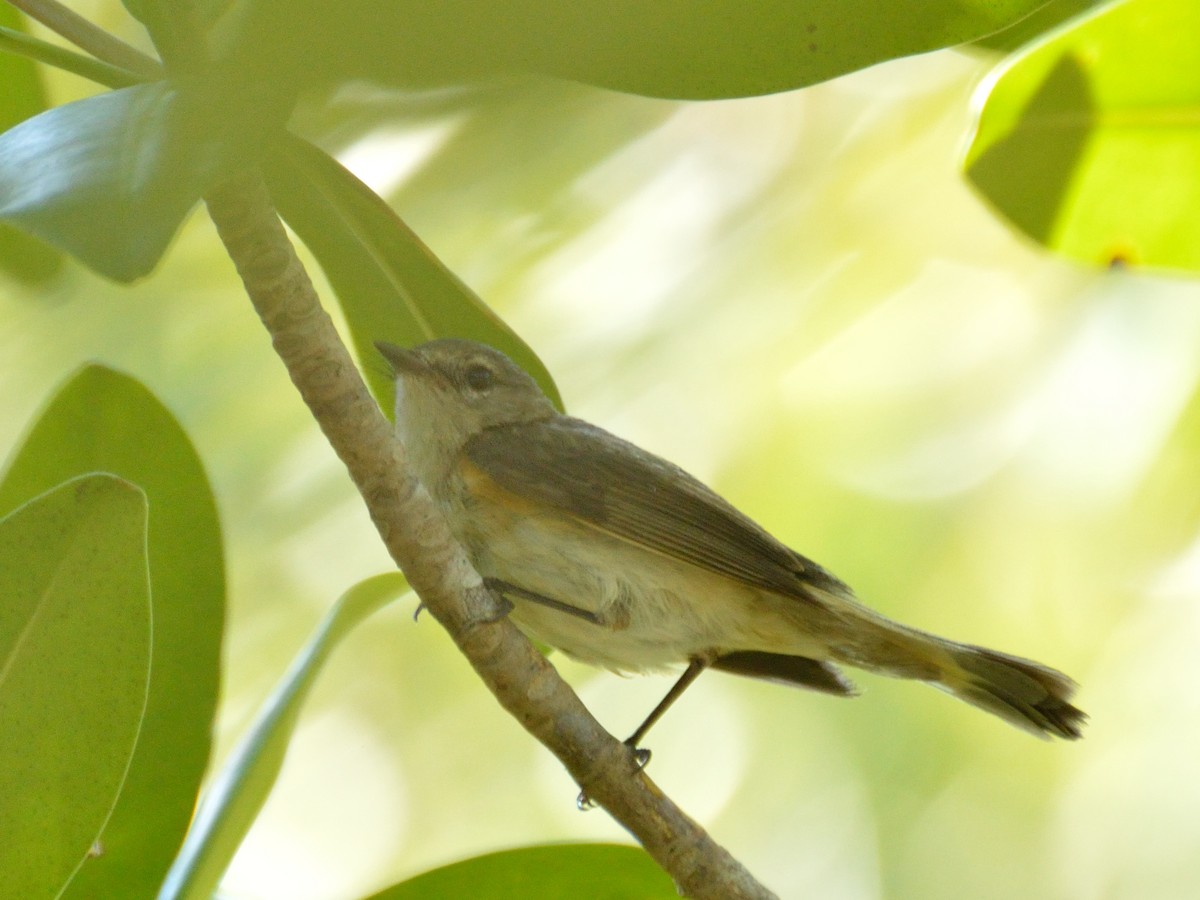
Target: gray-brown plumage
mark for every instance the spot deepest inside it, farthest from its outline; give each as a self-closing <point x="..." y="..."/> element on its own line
<point x="642" y="566"/>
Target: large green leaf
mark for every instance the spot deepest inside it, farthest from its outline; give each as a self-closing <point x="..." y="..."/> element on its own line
<point x="1089" y="142"/>
<point x="390" y="285"/>
<point x="102" y="420"/>
<point x="1049" y="16"/>
<point x="237" y="793"/>
<point x="74" y="667"/>
<point x="110" y="178"/>
<point x="667" y="48"/>
<point x="23" y="97"/>
<point x="552" y="872"/>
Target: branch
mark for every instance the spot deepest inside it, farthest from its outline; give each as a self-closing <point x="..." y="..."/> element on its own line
<point x="86" y="36"/>
<point x="68" y="60"/>
<point x="521" y="678"/>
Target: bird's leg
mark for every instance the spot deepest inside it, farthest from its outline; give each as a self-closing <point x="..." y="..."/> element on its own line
<point x="504" y="588"/>
<point x="690" y="674"/>
<point x="641" y="755"/>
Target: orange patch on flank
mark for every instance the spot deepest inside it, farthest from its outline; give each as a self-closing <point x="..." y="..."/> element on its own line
<point x="486" y="489"/>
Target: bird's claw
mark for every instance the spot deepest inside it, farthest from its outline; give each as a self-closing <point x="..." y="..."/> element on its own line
<point x="641" y="756"/>
<point x="641" y="759"/>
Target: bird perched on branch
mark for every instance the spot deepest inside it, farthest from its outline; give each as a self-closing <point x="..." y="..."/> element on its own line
<point x="623" y="560"/>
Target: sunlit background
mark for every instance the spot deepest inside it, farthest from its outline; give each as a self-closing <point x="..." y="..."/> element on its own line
<point x="798" y="299"/>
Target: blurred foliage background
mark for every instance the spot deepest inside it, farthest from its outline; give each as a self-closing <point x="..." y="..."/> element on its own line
<point x="799" y="299"/>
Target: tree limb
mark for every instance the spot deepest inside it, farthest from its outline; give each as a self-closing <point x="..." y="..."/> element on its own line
<point x="418" y="540"/>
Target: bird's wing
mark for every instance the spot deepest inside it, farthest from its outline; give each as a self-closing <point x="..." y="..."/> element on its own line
<point x="614" y="486"/>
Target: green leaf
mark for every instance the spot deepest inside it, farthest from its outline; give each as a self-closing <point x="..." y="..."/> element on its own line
<point x="390" y="285"/>
<point x="551" y="872"/>
<point x="74" y="668"/>
<point x="23" y="97"/>
<point x="1089" y="142"/>
<point x="102" y="420"/>
<point x="26" y="258"/>
<point x="238" y="792"/>
<point x="1049" y="16"/>
<point x="668" y="48"/>
<point x="109" y="179"/>
<point x="23" y="94"/>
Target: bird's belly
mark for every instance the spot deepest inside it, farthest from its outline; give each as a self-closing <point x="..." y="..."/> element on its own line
<point x="653" y="611"/>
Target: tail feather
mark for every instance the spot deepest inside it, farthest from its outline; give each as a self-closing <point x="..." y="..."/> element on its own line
<point x="1033" y="697"/>
<point x="809" y="673"/>
<point x="1020" y="691"/>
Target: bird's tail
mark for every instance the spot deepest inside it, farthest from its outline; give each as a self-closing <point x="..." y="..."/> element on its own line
<point x="1020" y="691"/>
<point x="1027" y="694"/>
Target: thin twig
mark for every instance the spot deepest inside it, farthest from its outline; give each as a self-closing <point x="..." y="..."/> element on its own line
<point x="68" y="60"/>
<point x="435" y="565"/>
<point x="88" y="37"/>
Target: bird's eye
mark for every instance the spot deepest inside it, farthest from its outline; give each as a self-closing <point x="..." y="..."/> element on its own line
<point x="480" y="378"/>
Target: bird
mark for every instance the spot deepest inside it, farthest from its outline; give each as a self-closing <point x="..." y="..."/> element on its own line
<point x="624" y="561"/>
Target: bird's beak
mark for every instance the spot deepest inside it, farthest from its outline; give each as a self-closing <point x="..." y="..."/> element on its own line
<point x="403" y="362"/>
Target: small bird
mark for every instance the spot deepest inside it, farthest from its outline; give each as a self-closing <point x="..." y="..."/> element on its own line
<point x="624" y="561"/>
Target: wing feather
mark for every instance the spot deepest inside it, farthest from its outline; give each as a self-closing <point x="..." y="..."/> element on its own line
<point x="585" y="472"/>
